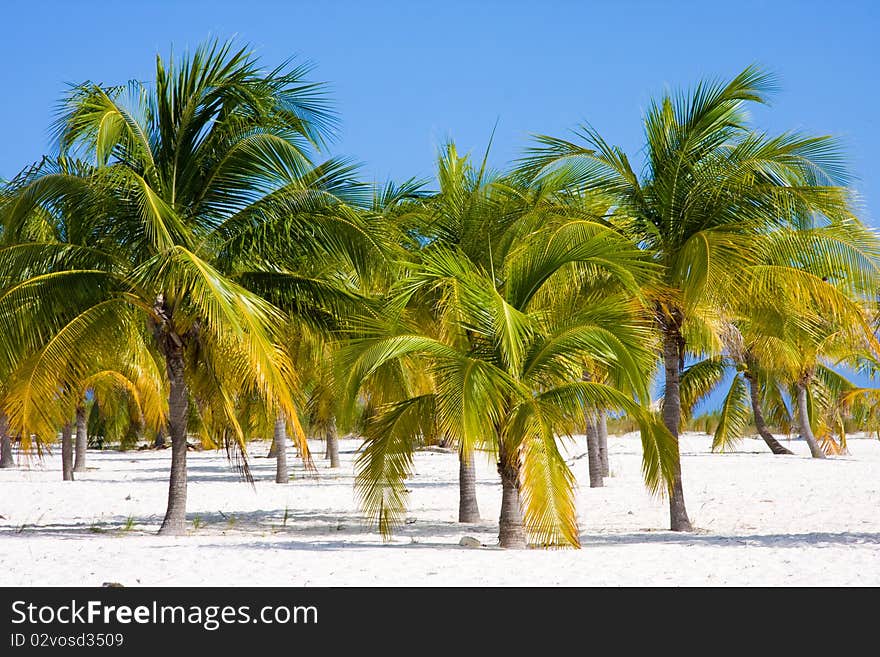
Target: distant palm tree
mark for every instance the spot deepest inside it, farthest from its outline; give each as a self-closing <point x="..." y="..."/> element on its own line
<point x="711" y="190"/>
<point x="806" y="306"/>
<point x="64" y="221"/>
<point x="812" y="346"/>
<point x="747" y="392"/>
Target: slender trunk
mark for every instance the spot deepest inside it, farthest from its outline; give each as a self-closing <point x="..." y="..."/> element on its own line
<point x="468" y="511"/>
<point x="678" y="517"/>
<point x="280" y="441"/>
<point x="332" y="452"/>
<point x="273" y="449"/>
<point x="178" y="410"/>
<point x="159" y="442"/>
<point x="6" y="459"/>
<point x="510" y="524"/>
<point x="760" y="423"/>
<point x="593" y="455"/>
<point x="804" y="419"/>
<point x="82" y="440"/>
<point x="67" y="452"/>
<point x="603" y="443"/>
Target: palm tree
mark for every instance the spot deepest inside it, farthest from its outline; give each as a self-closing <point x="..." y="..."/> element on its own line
<point x="810" y="376"/>
<point x="858" y="404"/>
<point x="197" y="182"/>
<point x="748" y="388"/>
<point x="710" y="191"/>
<point x="821" y="278"/>
<point x="322" y="404"/>
<point x="504" y="356"/>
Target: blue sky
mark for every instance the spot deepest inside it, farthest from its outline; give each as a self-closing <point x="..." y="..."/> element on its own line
<point x="408" y="75"/>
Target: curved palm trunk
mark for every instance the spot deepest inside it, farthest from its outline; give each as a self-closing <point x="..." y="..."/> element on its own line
<point x="67" y="452"/>
<point x="82" y="440"/>
<point x="760" y="423"/>
<point x="468" y="511"/>
<point x="804" y="419"/>
<point x="510" y="524"/>
<point x="602" y="425"/>
<point x="273" y="449"/>
<point x="678" y="517"/>
<point x="178" y="410"/>
<point x="332" y="452"/>
<point x="6" y="458"/>
<point x="280" y="442"/>
<point x="593" y="455"/>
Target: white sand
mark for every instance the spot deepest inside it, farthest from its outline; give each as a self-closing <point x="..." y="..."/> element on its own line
<point x="761" y="519"/>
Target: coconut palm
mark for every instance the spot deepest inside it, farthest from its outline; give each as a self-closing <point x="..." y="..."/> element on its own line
<point x="196" y="182"/>
<point x="503" y="355"/>
<point x="750" y="391"/>
<point x="710" y="191"/>
<point x="821" y="407"/>
<point x="820" y="277"/>
<point x="859" y="404"/>
<point x="812" y="379"/>
<point x="65" y="222"/>
<point x="318" y="294"/>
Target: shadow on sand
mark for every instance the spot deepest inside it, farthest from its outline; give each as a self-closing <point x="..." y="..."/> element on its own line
<point x="327" y="530"/>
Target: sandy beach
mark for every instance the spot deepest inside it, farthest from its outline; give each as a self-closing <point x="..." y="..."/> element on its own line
<point x="760" y="519"/>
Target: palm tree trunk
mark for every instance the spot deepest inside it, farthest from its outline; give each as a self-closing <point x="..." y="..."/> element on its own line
<point x="159" y="442"/>
<point x="280" y="442"/>
<point x="273" y="449"/>
<point x="332" y="452"/>
<point x="178" y="409"/>
<point x="81" y="440"/>
<point x="678" y="517"/>
<point x="804" y="419"/>
<point x="468" y="511"/>
<point x="595" y="459"/>
<point x="603" y="443"/>
<point x="510" y="524"/>
<point x="67" y="452"/>
<point x="760" y="423"/>
<point x="6" y="458"/>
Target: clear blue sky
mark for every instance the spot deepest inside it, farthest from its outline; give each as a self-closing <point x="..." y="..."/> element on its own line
<point x="408" y="75"/>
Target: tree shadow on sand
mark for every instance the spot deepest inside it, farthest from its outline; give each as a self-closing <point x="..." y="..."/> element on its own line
<point x="810" y="539"/>
<point x="325" y="529"/>
<point x="302" y="527"/>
